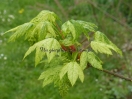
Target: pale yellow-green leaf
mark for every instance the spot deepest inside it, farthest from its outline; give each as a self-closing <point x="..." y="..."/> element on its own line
<point x="63" y="71"/>
<point x="80" y="74"/>
<point x="38" y="56"/>
<point x="49" y="75"/>
<point x="47" y="81"/>
<point x="68" y="27"/>
<point x="99" y="36"/>
<point x="83" y="60"/>
<point x="52" y="45"/>
<point x="94" y="60"/>
<point x="31" y="49"/>
<point x="20" y="31"/>
<point x="48" y="72"/>
<point x="45" y="15"/>
<point x="12" y="30"/>
<point x="98" y="46"/>
<point x="87" y="25"/>
<point x="74" y="71"/>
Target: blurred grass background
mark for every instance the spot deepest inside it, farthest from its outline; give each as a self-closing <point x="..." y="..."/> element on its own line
<point x="18" y="79"/>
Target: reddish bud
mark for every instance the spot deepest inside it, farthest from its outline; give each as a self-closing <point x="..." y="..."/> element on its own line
<point x="72" y="48"/>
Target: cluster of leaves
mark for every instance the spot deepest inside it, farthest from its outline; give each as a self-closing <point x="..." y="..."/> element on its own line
<point x="64" y="64"/>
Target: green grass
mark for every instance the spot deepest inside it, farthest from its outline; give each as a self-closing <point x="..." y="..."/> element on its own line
<point x="19" y="79"/>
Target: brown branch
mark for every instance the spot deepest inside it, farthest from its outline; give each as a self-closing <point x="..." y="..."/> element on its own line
<point x="115" y="74"/>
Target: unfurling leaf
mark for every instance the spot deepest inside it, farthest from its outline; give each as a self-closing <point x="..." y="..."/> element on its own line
<point x="73" y="70"/>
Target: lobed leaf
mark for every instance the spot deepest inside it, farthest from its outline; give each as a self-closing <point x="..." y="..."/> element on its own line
<point x="49" y="75"/>
<point x="101" y="47"/>
<point x="73" y="70"/>
<point x="49" y="72"/>
<point x="37" y="29"/>
<point x="41" y="30"/>
<point x="87" y="25"/>
<point x="20" y="31"/>
<point x="52" y="45"/>
<point x="67" y="28"/>
<point x="100" y="37"/>
<point x="45" y="15"/>
<point x="49" y="44"/>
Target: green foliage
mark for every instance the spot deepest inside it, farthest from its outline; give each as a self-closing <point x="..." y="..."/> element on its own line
<point x="60" y="45"/>
<point x="83" y="59"/>
<point x="73" y="71"/>
<point x="50" y="75"/>
<point x="20" y="31"/>
<point x="39" y="28"/>
<point x="48" y="44"/>
<point x="94" y="60"/>
<point x="103" y="44"/>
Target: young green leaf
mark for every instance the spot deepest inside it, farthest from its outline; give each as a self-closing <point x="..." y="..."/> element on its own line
<point x="98" y="46"/>
<point x="45" y="15"/>
<point x="67" y="28"/>
<point x="73" y="70"/>
<point x="38" y="56"/>
<point x="100" y="37"/>
<point x="50" y="44"/>
<point x="49" y="75"/>
<point x="67" y="42"/>
<point x="87" y="25"/>
<point x="37" y="28"/>
<point x="31" y="49"/>
<point x="94" y="60"/>
<point x="41" y="30"/>
<point x="83" y="60"/>
<point x="20" y="31"/>
<point x="64" y="70"/>
<point x="50" y="72"/>
<point x="47" y="81"/>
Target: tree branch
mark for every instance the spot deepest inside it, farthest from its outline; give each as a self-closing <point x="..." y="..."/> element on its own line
<point x="115" y="74"/>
